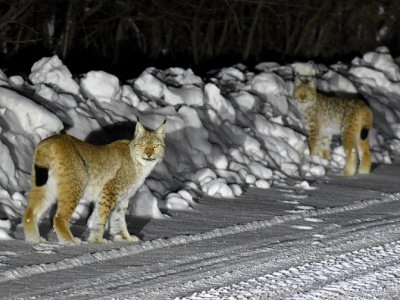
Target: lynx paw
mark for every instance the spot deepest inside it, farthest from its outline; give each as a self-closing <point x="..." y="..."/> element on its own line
<point x="346" y="172"/>
<point x="126" y="238"/>
<point x="35" y="239"/>
<point x="364" y="171"/>
<point x="74" y="241"/>
<point x="325" y="154"/>
<point x="97" y="240"/>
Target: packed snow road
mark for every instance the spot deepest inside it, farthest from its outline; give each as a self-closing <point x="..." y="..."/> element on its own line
<point x="337" y="240"/>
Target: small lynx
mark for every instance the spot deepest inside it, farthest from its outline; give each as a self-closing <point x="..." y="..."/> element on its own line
<point x="67" y="169"/>
<point x="327" y="116"/>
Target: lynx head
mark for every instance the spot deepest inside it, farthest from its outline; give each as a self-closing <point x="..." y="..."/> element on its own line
<point x="305" y="92"/>
<point x="148" y="147"/>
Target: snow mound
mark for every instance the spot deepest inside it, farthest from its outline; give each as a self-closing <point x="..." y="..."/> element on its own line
<point x="101" y="86"/>
<point x="235" y="130"/>
<point x="51" y="70"/>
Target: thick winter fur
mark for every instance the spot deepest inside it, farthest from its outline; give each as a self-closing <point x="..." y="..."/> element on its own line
<point x="66" y="169"/>
<point x="328" y="116"/>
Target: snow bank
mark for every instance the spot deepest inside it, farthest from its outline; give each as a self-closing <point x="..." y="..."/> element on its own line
<point x="51" y="71"/>
<point x="234" y="130"/>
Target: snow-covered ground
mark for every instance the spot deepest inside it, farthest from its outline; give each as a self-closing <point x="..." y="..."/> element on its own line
<point x="234" y="130"/>
<point x="339" y="240"/>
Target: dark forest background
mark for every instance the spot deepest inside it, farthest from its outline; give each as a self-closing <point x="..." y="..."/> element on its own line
<point x="124" y="37"/>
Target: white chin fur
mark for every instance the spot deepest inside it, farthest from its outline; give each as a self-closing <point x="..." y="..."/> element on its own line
<point x="147" y="162"/>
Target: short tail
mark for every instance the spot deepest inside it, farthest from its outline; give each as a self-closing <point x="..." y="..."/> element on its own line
<point x="366" y="124"/>
<point x="41" y="175"/>
<point x="364" y="133"/>
<point x="41" y="164"/>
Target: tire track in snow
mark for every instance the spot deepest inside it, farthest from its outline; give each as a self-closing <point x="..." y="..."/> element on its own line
<point x="357" y="274"/>
<point x="91" y="258"/>
<point x="232" y="264"/>
<point x="360" y="286"/>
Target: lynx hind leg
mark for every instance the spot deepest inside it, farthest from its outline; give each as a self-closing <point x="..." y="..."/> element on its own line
<point x="71" y="180"/>
<point x="118" y="228"/>
<point x="363" y="141"/>
<point x="37" y="205"/>
<point x="349" y="141"/>
<point x="41" y="196"/>
<point x="69" y="194"/>
<point x="32" y="215"/>
<point x="364" y="152"/>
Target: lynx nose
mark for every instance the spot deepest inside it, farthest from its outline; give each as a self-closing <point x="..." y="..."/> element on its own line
<point x="148" y="155"/>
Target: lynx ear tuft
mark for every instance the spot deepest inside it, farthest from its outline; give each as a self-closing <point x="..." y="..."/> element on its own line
<point x="139" y="129"/>
<point x="313" y="83"/>
<point x="297" y="80"/>
<point x="160" y="131"/>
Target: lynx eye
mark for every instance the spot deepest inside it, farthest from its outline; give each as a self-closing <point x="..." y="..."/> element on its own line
<point x="155" y="146"/>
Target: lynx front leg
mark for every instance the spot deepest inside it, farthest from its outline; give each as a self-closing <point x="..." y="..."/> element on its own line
<point x="325" y="151"/>
<point x="118" y="227"/>
<point x="313" y="135"/>
<point x="101" y="213"/>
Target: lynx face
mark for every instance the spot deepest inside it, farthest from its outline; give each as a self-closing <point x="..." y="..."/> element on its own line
<point x="148" y="147"/>
<point x="305" y="92"/>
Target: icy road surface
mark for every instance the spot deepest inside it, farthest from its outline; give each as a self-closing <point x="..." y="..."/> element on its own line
<point x="337" y="241"/>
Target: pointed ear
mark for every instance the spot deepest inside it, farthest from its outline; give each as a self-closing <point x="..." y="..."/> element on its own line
<point x="297" y="80"/>
<point x="160" y="131"/>
<point x="139" y="129"/>
<point x="313" y="83"/>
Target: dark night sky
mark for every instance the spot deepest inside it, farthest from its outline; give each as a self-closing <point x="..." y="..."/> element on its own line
<point x="124" y="37"/>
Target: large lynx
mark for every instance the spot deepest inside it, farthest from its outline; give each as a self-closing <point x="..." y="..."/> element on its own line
<point x="70" y="169"/>
<point x="327" y="116"/>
